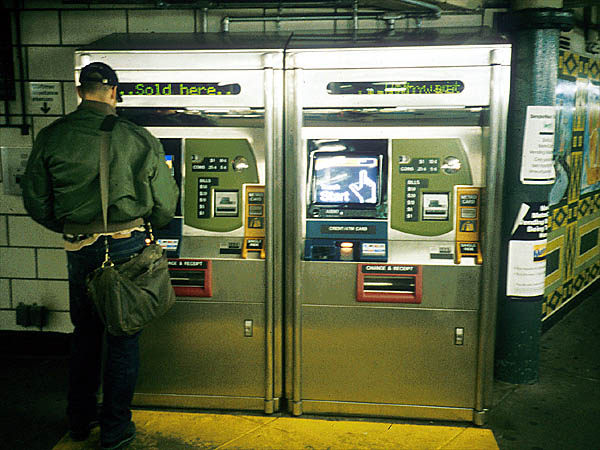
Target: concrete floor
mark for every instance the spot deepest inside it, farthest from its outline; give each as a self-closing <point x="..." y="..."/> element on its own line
<point x="561" y="412"/>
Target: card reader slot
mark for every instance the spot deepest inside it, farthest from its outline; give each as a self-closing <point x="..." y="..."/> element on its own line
<point x="405" y="285"/>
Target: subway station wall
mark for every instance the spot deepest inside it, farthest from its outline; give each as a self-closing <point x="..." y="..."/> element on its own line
<point x="573" y="253"/>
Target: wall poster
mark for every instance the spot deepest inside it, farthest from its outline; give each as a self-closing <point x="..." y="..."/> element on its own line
<point x="573" y="250"/>
<point x="527" y="252"/>
<point x="538" y="145"/>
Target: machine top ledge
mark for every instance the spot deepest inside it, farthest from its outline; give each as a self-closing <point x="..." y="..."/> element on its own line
<point x="474" y="36"/>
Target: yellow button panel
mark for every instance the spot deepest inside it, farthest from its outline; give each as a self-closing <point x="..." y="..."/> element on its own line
<point x="254" y="221"/>
<point x="468" y="223"/>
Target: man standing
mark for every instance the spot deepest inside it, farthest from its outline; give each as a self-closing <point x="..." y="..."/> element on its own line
<point x="61" y="191"/>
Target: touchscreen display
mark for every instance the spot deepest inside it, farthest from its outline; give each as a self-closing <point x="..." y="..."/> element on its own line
<point x="346" y="179"/>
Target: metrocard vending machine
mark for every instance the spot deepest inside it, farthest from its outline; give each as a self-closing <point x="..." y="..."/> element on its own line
<point x="216" y="106"/>
<point x="337" y="235"/>
<point x="394" y="160"/>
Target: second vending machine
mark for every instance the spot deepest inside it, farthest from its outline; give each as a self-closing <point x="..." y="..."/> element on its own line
<point x="394" y="158"/>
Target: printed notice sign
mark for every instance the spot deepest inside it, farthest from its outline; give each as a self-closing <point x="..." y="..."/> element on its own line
<point x="45" y="97"/>
<point x="14" y="161"/>
<point x="537" y="166"/>
<point x="526" y="272"/>
<point x="526" y="275"/>
<point x="531" y="222"/>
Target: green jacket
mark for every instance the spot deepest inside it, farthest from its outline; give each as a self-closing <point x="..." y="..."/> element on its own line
<point x="62" y="184"/>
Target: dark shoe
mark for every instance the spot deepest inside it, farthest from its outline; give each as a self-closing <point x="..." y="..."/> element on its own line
<point x="123" y="441"/>
<point x="82" y="433"/>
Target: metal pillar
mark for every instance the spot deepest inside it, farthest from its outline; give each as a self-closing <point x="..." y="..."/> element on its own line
<point x="535" y="37"/>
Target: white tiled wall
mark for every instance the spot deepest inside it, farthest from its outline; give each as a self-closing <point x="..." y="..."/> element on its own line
<point x="82" y="27"/>
<point x="24" y="232"/>
<point x="12" y="137"/>
<point x="5" y="302"/>
<point x="32" y="261"/>
<point x="148" y="21"/>
<point x="52" y="263"/>
<point x="50" y="63"/>
<point x="40" y="27"/>
<point x="3" y="231"/>
<point x="54" y="295"/>
<point x="17" y="262"/>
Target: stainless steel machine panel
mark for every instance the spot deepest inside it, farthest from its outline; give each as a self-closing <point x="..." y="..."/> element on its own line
<point x="199" y="348"/>
<point x="231" y="281"/>
<point x="398" y="54"/>
<point x="444" y="287"/>
<point x="388" y="355"/>
<point x="403" y="354"/>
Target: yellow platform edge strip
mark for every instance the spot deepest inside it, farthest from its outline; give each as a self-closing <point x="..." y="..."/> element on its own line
<point x="167" y="430"/>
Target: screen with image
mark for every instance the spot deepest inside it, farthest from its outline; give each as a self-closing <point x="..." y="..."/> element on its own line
<point x="345" y="180"/>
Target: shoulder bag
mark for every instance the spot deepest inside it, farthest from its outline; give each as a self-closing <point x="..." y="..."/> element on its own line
<point x="130" y="295"/>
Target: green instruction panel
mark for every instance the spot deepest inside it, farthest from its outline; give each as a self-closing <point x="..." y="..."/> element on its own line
<point x="424" y="173"/>
<point x="216" y="171"/>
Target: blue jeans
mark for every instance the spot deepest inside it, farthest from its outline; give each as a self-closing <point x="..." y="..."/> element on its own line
<point x="121" y="353"/>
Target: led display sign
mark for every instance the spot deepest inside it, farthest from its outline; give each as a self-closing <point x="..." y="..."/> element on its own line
<point x="175" y="88"/>
<point x="395" y="87"/>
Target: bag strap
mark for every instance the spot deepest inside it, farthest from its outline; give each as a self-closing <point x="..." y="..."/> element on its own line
<point x="106" y="128"/>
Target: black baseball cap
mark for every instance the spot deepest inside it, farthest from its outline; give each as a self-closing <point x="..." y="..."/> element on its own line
<point x="99" y="72"/>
